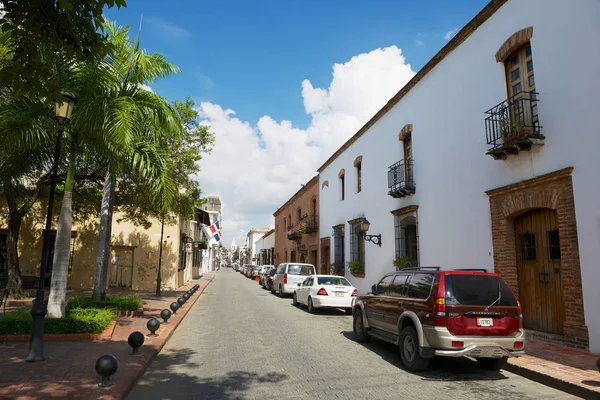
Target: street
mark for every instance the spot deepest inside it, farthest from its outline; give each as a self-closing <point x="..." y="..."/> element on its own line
<point x="241" y="342"/>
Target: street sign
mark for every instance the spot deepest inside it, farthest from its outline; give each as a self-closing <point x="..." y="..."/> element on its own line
<point x="188" y="247"/>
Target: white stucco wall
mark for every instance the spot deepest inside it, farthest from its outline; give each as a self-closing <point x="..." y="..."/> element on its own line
<point x="269" y="241"/>
<point x="452" y="171"/>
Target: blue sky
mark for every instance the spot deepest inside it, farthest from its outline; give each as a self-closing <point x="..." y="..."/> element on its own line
<point x="252" y="57"/>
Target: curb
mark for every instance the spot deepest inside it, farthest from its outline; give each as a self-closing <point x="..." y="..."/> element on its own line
<point x="555" y="383"/>
<point x="156" y="350"/>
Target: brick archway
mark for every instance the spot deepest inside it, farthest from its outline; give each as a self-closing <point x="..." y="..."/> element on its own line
<point x="553" y="191"/>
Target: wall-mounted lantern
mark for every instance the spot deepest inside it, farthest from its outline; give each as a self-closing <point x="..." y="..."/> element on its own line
<point x="375" y="239"/>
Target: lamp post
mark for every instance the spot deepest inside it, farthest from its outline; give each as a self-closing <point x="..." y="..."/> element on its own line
<point x="158" y="279"/>
<point x="375" y="239"/>
<point x="63" y="109"/>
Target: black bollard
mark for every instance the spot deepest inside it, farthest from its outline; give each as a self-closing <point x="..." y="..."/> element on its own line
<point x="165" y="315"/>
<point x="174" y="307"/>
<point x="186" y="296"/>
<point x="136" y="340"/>
<point x="106" y="366"/>
<point x="181" y="302"/>
<point x="152" y="326"/>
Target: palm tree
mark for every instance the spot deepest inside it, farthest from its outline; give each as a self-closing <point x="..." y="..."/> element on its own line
<point x="119" y="120"/>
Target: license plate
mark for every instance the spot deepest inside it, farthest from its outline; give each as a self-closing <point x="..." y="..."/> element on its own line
<point x="339" y="294"/>
<point x="485" y="322"/>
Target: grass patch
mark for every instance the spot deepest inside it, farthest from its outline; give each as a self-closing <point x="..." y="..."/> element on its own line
<point x="124" y="303"/>
<point x="78" y="320"/>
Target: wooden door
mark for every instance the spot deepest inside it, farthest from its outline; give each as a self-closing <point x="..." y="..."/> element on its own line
<point x="122" y="271"/>
<point x="539" y="273"/>
<point x="520" y="81"/>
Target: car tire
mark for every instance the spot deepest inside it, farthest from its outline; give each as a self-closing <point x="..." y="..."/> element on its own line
<point x="409" y="350"/>
<point x="294" y="300"/>
<point x="272" y="289"/>
<point x="280" y="291"/>
<point x="311" y="308"/>
<point x="492" y="364"/>
<point x="358" y="326"/>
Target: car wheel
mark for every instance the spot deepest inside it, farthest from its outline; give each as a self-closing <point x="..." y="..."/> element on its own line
<point x="358" y="326"/>
<point x="294" y="300"/>
<point x="271" y="289"/>
<point x="492" y="364"/>
<point x="311" y="308"/>
<point x="409" y="350"/>
<point x="280" y="291"/>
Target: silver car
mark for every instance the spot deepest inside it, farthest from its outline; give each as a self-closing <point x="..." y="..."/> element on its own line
<point x="289" y="275"/>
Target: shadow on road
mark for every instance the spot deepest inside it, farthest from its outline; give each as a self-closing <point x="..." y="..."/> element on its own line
<point x="443" y="369"/>
<point x="166" y="379"/>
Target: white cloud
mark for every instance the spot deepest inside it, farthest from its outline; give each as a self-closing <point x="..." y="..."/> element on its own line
<point x="168" y="29"/>
<point x="146" y="87"/>
<point x="204" y="80"/>
<point x="256" y="175"/>
<point x="450" y="34"/>
<point x="419" y="42"/>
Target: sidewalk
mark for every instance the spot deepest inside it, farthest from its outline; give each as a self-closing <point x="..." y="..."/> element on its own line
<point x="69" y="368"/>
<point x="570" y="370"/>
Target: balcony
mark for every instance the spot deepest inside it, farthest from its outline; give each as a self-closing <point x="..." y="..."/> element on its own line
<point x="513" y="126"/>
<point x="401" y="179"/>
<point x="312" y="223"/>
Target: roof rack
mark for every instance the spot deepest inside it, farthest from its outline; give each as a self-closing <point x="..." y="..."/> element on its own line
<point x="471" y="269"/>
<point x="419" y="268"/>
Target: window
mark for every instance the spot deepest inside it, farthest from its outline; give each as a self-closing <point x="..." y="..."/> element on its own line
<point x="299" y="215"/>
<point x="385" y="283"/>
<point x="528" y="247"/>
<point x="408" y="157"/>
<point x="420" y="286"/>
<point x="292" y="256"/>
<point x="398" y="287"/>
<point x="358" y="177"/>
<point x="314" y="206"/>
<point x="407" y="240"/>
<point x="342" y="185"/>
<point x="301" y="270"/>
<point x="182" y="253"/>
<point x="338" y="250"/>
<point x="520" y="81"/>
<point x="328" y="280"/>
<point x="477" y="290"/>
<point x="554" y="245"/>
<point x="357" y="243"/>
<point x="289" y="221"/>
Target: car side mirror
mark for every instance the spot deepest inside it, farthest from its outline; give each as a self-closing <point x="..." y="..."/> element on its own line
<point x="299" y="285"/>
<point x="374" y="289"/>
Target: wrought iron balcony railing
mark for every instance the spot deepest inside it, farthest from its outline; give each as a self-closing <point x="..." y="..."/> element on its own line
<point x="401" y="179"/>
<point x="312" y="223"/>
<point x="513" y="125"/>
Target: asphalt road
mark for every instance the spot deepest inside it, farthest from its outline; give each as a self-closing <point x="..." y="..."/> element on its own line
<point x="241" y="342"/>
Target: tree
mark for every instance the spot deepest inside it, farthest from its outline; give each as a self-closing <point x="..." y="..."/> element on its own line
<point x="72" y="29"/>
<point x="119" y="120"/>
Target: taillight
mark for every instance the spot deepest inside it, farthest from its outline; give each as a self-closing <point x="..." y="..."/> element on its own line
<point x="355" y="293"/>
<point x="285" y="279"/>
<point x="439" y="311"/>
<point x="322" y="292"/>
<point x="520" y="314"/>
<point x="518" y="345"/>
<point x="457" y="344"/>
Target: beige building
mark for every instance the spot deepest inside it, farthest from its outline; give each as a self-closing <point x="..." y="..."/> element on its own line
<point x="134" y="251"/>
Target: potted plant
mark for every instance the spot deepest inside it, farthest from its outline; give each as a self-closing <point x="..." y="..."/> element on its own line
<point x="402" y="262"/>
<point x="356" y="268"/>
<point x="336" y="268"/>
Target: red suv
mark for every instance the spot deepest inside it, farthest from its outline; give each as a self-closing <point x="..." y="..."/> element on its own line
<point x="428" y="312"/>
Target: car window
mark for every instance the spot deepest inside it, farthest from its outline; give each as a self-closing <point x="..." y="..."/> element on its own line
<point x="398" y="287"/>
<point x="281" y="268"/>
<point x="478" y="290"/>
<point x="419" y="286"/>
<point x="305" y="282"/>
<point x="384" y="283"/>
<point x="300" y="269"/>
<point x="272" y="272"/>
<point x="332" y="280"/>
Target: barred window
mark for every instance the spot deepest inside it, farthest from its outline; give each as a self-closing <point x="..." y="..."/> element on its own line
<point x="338" y="244"/>
<point x="357" y="243"/>
<point x="406" y="238"/>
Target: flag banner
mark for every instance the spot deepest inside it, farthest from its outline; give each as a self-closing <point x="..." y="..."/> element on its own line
<point x="215" y="231"/>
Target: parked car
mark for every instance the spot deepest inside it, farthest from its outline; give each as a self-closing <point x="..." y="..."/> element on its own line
<point x="268" y="280"/>
<point x="454" y="313"/>
<point x="325" y="291"/>
<point x="263" y="273"/>
<point x="257" y="271"/>
<point x="249" y="271"/>
<point x="289" y="275"/>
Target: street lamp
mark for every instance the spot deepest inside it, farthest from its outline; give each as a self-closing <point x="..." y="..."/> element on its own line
<point x="375" y="239"/>
<point x="63" y="109"/>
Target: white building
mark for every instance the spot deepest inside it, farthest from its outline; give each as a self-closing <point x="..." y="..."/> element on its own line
<point x="447" y="184"/>
<point x="252" y="238"/>
<point x="210" y="257"/>
<point x="265" y="249"/>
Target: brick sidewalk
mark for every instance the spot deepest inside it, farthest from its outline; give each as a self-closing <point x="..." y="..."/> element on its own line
<point x="573" y="371"/>
<point x="68" y="371"/>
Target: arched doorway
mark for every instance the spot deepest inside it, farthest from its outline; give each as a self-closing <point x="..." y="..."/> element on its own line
<point x="539" y="270"/>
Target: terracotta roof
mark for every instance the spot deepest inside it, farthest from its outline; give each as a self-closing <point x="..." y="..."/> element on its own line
<point x="456" y="41"/>
<point x="314" y="180"/>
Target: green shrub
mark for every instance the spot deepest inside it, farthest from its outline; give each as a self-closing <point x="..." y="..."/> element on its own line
<point x="78" y="320"/>
<point x="125" y="303"/>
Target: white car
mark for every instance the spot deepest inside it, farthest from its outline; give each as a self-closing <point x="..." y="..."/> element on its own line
<point x="322" y="291"/>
